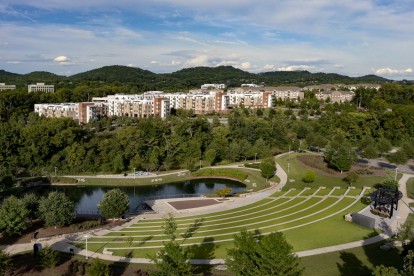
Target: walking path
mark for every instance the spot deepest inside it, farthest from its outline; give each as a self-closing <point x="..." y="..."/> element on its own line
<point x="62" y="243"/>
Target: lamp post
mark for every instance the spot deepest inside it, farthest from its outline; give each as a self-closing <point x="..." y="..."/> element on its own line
<point x="200" y="164"/>
<point x="288" y="167"/>
<point x="396" y="171"/>
<point x="86" y="247"/>
<point x="134" y="173"/>
<point x="255" y="155"/>
<point x="55" y="171"/>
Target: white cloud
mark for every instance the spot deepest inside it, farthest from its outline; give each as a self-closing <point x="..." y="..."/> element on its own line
<point x="296" y="68"/>
<point x="61" y="59"/>
<point x="13" y="62"/>
<point x="269" y="67"/>
<point x="391" y="72"/>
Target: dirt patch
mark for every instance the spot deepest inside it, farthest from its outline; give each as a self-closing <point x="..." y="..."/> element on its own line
<point x="317" y="163"/>
<point x="45" y="232"/>
<point x="188" y="204"/>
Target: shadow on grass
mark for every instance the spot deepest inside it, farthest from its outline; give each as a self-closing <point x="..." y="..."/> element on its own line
<point x="192" y="229"/>
<point x="141" y="243"/>
<point x="205" y="250"/>
<point x="377" y="257"/>
<point x="352" y="265"/>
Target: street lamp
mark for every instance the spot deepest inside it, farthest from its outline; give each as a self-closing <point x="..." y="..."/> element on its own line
<point x="200" y="164"/>
<point x="55" y="171"/>
<point x="396" y="170"/>
<point x="255" y="155"/>
<point x="288" y="167"/>
<point x="86" y="247"/>
<point x="134" y="173"/>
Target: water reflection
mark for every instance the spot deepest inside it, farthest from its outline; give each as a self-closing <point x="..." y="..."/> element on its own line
<point x="88" y="197"/>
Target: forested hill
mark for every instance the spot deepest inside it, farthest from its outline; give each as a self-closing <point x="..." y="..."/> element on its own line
<point x="187" y="78"/>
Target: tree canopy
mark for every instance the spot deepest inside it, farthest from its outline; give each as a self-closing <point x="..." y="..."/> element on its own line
<point x="57" y="209"/>
<point x="114" y="204"/>
<point x="14" y="216"/>
<point x="262" y="255"/>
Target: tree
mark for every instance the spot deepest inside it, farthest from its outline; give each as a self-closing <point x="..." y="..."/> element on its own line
<point x="31" y="202"/>
<point x="57" y="209"/>
<point x="210" y="156"/>
<point x="48" y="257"/>
<point x="223" y="192"/>
<point x="383" y="145"/>
<point x="309" y="177"/>
<point x="170" y="226"/>
<point x="270" y="255"/>
<point x="370" y="152"/>
<point x="114" y="204"/>
<point x="398" y="157"/>
<point x="408" y="266"/>
<point x="5" y="263"/>
<point x="341" y="159"/>
<point x="172" y="259"/>
<point x="351" y="178"/>
<point x="268" y="167"/>
<point x="98" y="268"/>
<point x="385" y="271"/>
<point x="6" y="182"/>
<point x="14" y="216"/>
<point x="389" y="184"/>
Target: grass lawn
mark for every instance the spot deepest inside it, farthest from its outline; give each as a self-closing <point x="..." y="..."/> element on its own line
<point x="355" y="261"/>
<point x="253" y="176"/>
<point x="410" y="187"/>
<point x="297" y="171"/>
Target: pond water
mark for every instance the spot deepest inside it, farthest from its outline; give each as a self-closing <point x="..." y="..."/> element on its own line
<point x="88" y="197"/>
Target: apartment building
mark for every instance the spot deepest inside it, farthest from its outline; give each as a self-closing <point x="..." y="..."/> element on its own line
<point x="213" y="86"/>
<point x="57" y="110"/>
<point x="335" y="96"/>
<point x="41" y="87"/>
<point x="152" y="103"/>
<point x="4" y="86"/>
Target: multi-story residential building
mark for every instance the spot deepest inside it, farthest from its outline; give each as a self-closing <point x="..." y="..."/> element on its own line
<point x="213" y="86"/>
<point x="152" y="103"/>
<point x="335" y="96"/>
<point x="57" y="110"/>
<point x="81" y="112"/>
<point x="4" y="86"/>
<point x="41" y="87"/>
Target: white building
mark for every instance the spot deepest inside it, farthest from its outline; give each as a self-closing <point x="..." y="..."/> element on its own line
<point x="213" y="86"/>
<point x="4" y="86"/>
<point x="41" y="87"/>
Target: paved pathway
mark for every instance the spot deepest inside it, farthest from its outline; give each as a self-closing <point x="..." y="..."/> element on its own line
<point x="62" y="244"/>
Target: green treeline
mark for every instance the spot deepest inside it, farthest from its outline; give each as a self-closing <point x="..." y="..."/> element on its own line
<point x="32" y="145"/>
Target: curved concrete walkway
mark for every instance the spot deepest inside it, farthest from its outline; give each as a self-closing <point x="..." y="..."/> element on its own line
<point x="62" y="243"/>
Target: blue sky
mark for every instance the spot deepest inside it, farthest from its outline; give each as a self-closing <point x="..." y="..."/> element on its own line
<point x="350" y="37"/>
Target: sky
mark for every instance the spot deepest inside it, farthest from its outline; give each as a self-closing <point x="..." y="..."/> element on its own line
<point x="349" y="37"/>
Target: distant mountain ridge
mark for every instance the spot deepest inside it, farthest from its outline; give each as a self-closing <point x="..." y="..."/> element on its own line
<point x="188" y="77"/>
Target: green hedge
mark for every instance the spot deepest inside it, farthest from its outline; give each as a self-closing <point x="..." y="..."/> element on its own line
<point x="232" y="173"/>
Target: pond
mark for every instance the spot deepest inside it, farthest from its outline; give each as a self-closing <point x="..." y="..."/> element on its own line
<point x="88" y="197"/>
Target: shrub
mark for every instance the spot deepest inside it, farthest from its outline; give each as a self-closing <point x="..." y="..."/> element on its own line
<point x="98" y="268"/>
<point x="309" y="177"/>
<point x="86" y="225"/>
<point x="48" y="257"/>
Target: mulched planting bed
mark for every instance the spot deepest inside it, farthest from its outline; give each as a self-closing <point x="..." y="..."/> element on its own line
<point x="188" y="204"/>
<point x="44" y="232"/>
<point x="317" y="163"/>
